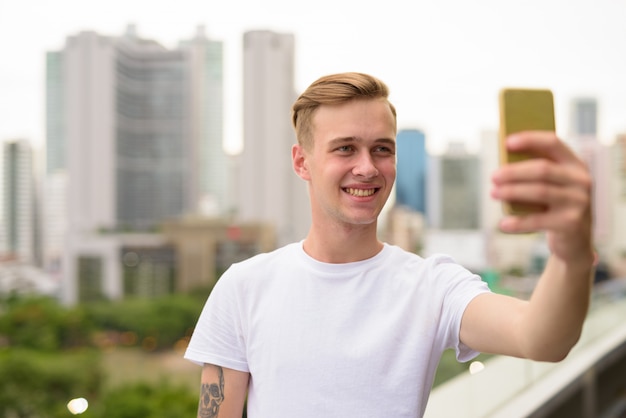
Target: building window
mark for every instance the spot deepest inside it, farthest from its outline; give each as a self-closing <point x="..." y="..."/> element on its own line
<point x="90" y="274"/>
<point x="148" y="272"/>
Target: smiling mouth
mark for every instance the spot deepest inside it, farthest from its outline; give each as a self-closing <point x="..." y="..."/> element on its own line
<point x="360" y="192"/>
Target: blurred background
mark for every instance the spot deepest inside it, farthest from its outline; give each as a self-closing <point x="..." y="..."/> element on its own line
<point x="145" y="147"/>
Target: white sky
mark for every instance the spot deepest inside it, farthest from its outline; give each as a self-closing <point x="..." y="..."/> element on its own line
<point x="444" y="60"/>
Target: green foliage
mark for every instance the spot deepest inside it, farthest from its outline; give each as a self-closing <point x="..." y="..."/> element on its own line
<point x="148" y="401"/>
<point x="41" y="323"/>
<point x="36" y="384"/>
<point x="155" y="323"/>
<point x="43" y="367"/>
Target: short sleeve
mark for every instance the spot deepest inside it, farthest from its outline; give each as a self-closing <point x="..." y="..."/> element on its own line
<point x="459" y="287"/>
<point x="218" y="335"/>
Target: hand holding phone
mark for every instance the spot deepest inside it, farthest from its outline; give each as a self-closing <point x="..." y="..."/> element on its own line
<point x="523" y="110"/>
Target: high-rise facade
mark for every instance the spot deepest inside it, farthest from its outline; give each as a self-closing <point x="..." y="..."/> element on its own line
<point x="584" y="117"/>
<point x="205" y="63"/>
<point x="268" y="188"/>
<point x="616" y="253"/>
<point x="491" y="209"/>
<point x="412" y="162"/>
<point x="54" y="206"/>
<point x="454" y="202"/>
<point x="152" y="147"/>
<point x="17" y="240"/>
<point x="584" y="138"/>
<point x="134" y="137"/>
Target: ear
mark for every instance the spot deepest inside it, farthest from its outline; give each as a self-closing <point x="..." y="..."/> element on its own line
<point x="300" y="162"/>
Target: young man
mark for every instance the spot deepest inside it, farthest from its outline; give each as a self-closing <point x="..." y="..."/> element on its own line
<point x="343" y="325"/>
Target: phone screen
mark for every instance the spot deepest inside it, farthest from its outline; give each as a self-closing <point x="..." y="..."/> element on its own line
<point x="523" y="110"/>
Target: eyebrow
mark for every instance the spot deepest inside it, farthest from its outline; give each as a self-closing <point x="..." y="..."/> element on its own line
<point x="349" y="139"/>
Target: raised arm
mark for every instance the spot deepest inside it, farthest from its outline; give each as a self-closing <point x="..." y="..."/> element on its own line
<point x="222" y="392"/>
<point x="548" y="325"/>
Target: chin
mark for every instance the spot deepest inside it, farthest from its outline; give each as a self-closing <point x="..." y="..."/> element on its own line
<point x="363" y="220"/>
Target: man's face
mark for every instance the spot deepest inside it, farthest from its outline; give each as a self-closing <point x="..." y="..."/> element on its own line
<point x="351" y="167"/>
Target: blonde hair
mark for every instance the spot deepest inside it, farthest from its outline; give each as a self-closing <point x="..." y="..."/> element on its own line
<point x="329" y="90"/>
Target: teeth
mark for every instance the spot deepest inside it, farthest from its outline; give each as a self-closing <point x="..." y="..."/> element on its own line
<point x="360" y="192"/>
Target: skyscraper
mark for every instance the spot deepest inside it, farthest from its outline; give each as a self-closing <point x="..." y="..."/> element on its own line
<point x="455" y="196"/>
<point x="616" y="251"/>
<point x="584" y="118"/>
<point x="411" y="170"/>
<point x="585" y="142"/>
<point x="134" y="137"/>
<point x="54" y="213"/>
<point x="268" y="188"/>
<point x="206" y="82"/>
<point x="139" y="127"/>
<point x="18" y="198"/>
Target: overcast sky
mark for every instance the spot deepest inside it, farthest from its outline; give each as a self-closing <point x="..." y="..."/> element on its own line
<point x="444" y="60"/>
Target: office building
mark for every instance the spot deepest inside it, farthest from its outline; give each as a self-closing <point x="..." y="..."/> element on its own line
<point x="412" y="160"/>
<point x="134" y="137"/>
<point x="585" y="142"/>
<point x="584" y="118"/>
<point x="616" y="252"/>
<point x="454" y="190"/>
<point x="17" y="240"/>
<point x="489" y="154"/>
<point x="206" y="66"/>
<point x="268" y="189"/>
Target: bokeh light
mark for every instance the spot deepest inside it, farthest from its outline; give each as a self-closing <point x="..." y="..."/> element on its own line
<point x="476" y="367"/>
<point x="78" y="405"/>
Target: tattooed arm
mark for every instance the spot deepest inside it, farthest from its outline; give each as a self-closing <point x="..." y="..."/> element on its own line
<point x="222" y="392"/>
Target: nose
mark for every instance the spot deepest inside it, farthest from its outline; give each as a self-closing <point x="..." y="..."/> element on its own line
<point x="365" y="167"/>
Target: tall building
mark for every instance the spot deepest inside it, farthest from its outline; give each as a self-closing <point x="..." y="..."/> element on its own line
<point x="453" y="205"/>
<point x="268" y="189"/>
<point x="491" y="210"/>
<point x="54" y="213"/>
<point x="584" y="138"/>
<point x="619" y="164"/>
<point x="55" y="114"/>
<point x="584" y="117"/>
<point x="134" y="137"/>
<point x="411" y="170"/>
<point x="454" y="190"/>
<point x="18" y="198"/>
<point x="616" y="253"/>
<point x="206" y="79"/>
<point x="598" y="159"/>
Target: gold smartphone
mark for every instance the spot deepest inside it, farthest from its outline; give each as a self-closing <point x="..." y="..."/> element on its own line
<point x="523" y="110"/>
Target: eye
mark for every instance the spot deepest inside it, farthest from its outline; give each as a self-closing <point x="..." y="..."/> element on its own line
<point x="384" y="150"/>
<point x="345" y="148"/>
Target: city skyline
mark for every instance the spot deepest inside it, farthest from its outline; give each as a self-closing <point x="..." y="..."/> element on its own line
<point x="444" y="62"/>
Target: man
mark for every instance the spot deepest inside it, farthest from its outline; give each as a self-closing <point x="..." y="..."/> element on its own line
<point x="343" y="325"/>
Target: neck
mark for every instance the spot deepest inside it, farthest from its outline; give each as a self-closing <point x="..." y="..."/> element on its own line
<point x="344" y="244"/>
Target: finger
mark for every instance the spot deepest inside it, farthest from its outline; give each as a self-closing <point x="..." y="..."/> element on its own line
<point x="539" y="169"/>
<point x="542" y="144"/>
<point x="568" y="221"/>
<point x="520" y="224"/>
<point x="544" y="194"/>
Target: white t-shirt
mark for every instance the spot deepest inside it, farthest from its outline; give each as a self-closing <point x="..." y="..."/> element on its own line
<point x="359" y="339"/>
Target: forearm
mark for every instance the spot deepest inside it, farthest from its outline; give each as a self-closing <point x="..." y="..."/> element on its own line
<point x="557" y="308"/>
